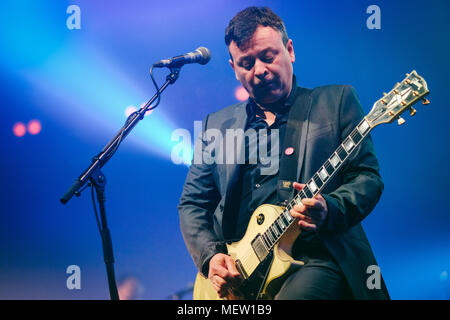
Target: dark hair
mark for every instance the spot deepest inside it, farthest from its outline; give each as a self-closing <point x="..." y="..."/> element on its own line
<point x="243" y="25"/>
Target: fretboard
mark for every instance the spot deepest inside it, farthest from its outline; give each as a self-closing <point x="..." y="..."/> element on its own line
<point x="266" y="241"/>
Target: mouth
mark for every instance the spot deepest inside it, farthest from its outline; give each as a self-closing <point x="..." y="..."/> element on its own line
<point x="264" y="85"/>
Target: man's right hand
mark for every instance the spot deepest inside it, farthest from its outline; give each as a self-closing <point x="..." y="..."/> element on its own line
<point x="223" y="274"/>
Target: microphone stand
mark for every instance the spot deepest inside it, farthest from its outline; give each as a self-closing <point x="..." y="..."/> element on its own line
<point x="94" y="177"/>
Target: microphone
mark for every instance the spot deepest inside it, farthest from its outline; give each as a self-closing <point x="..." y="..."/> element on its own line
<point x="201" y="55"/>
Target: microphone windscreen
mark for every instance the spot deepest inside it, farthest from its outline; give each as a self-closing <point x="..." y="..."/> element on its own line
<point x="206" y="54"/>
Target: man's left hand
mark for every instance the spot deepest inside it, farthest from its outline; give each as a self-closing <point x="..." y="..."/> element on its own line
<point x="312" y="212"/>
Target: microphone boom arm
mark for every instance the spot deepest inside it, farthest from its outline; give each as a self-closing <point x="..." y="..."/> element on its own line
<point x="101" y="159"/>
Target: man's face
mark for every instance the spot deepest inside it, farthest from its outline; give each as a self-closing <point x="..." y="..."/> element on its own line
<point x="264" y="65"/>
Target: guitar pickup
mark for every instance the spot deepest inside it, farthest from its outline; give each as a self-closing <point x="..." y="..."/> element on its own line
<point x="259" y="248"/>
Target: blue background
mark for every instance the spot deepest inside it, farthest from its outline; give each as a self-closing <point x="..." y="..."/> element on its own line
<point x="79" y="82"/>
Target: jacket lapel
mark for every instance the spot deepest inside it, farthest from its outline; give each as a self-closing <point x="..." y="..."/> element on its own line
<point x="233" y="169"/>
<point x="238" y="123"/>
<point x="295" y="139"/>
<point x="305" y="100"/>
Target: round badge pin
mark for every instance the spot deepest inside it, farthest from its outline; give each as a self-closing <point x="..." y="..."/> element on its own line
<point x="289" y="151"/>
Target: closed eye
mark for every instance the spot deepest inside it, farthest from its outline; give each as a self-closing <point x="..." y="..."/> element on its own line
<point x="268" y="59"/>
<point x="247" y="64"/>
<point x="268" y="55"/>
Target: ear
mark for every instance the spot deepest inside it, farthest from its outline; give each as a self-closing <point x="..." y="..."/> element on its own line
<point x="290" y="49"/>
<point x="231" y="62"/>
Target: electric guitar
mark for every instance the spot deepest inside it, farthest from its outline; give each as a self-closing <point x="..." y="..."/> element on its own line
<point x="263" y="255"/>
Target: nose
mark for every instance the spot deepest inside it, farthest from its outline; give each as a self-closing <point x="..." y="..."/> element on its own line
<point x="260" y="69"/>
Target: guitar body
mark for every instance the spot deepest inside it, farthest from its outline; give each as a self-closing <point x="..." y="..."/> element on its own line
<point x="264" y="278"/>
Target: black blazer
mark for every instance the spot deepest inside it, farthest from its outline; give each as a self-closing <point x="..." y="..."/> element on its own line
<point x="330" y="114"/>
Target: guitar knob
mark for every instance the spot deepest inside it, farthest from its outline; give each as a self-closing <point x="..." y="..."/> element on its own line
<point x="400" y="121"/>
<point x="412" y="111"/>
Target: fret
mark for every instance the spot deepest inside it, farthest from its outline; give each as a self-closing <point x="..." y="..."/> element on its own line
<point x="279" y="229"/>
<point x="307" y="192"/>
<point x="277" y="223"/>
<point x="335" y="160"/>
<point x="275" y="230"/>
<point x="281" y="223"/>
<point x="317" y="180"/>
<point x="289" y="205"/>
<point x="313" y="186"/>
<point x="363" y="127"/>
<point x="285" y="221"/>
<point x="266" y="241"/>
<point x="329" y="168"/>
<point x="296" y="200"/>
<point x="356" y="136"/>
<point x="269" y="241"/>
<point x="348" y="144"/>
<point x="301" y="195"/>
<point x="271" y="236"/>
<point x="288" y="216"/>
<point x="341" y="152"/>
<point x="323" y="174"/>
<point x="265" y="244"/>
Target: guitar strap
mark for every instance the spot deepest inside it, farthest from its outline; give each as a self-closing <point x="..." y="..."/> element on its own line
<point x="293" y="145"/>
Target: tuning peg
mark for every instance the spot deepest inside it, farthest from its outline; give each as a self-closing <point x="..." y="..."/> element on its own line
<point x="400" y="121"/>
<point x="412" y="111"/>
<point x="425" y="101"/>
<point x="384" y="94"/>
<point x="396" y="91"/>
<point x="407" y="74"/>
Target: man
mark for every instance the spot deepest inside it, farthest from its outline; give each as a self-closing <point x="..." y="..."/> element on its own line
<point x="219" y="196"/>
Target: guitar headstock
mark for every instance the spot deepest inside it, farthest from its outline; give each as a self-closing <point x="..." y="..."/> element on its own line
<point x="401" y="98"/>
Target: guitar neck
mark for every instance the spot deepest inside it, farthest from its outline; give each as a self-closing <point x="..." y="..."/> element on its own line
<point x="314" y="186"/>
